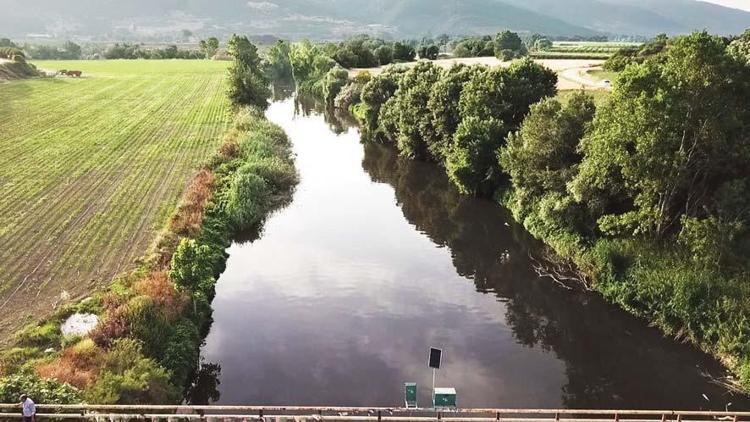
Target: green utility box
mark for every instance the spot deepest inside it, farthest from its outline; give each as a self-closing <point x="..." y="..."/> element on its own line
<point x="410" y="394"/>
<point x="445" y="397"/>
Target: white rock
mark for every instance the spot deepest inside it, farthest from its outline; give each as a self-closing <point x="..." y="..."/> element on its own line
<point x="79" y="324"/>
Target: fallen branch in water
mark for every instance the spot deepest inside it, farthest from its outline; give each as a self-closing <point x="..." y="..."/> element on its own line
<point x="562" y="273"/>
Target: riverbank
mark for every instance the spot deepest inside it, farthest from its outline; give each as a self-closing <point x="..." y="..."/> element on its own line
<point x="153" y="320"/>
<point x="635" y="231"/>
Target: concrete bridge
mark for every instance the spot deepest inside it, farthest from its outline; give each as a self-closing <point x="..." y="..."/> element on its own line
<point x="299" y="413"/>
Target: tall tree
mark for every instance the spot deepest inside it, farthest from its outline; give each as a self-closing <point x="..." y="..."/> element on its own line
<point x="674" y="133"/>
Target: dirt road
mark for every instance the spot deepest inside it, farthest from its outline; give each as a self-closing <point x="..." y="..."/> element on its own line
<point x="571" y="72"/>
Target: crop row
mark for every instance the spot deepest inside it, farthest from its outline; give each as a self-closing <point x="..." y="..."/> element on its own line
<point x="89" y="168"/>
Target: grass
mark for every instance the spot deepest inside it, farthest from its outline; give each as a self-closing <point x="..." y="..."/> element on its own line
<point x="91" y="168"/>
<point x="602" y="75"/>
<point x="599" y="95"/>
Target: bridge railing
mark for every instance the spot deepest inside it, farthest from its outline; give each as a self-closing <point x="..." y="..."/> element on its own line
<point x="304" y="413"/>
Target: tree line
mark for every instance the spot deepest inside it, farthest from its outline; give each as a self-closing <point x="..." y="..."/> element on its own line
<point x="647" y="194"/>
<point x="69" y="50"/>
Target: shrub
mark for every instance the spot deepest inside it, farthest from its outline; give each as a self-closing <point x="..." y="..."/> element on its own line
<point x="40" y="390"/>
<point x="45" y="335"/>
<point x="148" y="323"/>
<point x="189" y="215"/>
<point x="160" y="289"/>
<point x="471" y="161"/>
<point x="333" y="82"/>
<point x="349" y="95"/>
<point x="77" y="366"/>
<point x="247" y="197"/>
<point x="182" y="352"/>
<point x="127" y="377"/>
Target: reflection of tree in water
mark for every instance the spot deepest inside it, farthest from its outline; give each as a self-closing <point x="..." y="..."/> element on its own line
<point x="204" y="389"/>
<point x="282" y="90"/>
<point x="338" y="121"/>
<point x="612" y="359"/>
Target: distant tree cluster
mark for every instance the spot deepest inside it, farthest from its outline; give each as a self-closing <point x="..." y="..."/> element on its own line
<point x="505" y="46"/>
<point x="139" y="51"/>
<point x="209" y="46"/>
<point x="456" y="118"/>
<point x="628" y="55"/>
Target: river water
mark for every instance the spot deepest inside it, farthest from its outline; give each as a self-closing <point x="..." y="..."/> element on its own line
<point x="376" y="259"/>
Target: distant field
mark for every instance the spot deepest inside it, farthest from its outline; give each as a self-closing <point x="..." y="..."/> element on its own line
<point x="582" y="50"/>
<point x="91" y="168"/>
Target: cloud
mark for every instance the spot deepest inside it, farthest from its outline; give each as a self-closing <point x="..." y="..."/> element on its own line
<point x="262" y="6"/>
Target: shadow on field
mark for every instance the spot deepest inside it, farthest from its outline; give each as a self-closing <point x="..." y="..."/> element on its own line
<point x="14" y="91"/>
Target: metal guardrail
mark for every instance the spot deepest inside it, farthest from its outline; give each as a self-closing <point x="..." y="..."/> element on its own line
<point x="302" y="413"/>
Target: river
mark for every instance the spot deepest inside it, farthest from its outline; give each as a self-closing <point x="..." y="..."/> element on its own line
<point x="376" y="259"/>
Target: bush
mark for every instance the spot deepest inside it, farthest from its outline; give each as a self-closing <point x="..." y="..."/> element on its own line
<point x="77" y="366"/>
<point x="127" y="377"/>
<point x="45" y="335"/>
<point x="471" y="161"/>
<point x="40" y="390"/>
<point x="333" y="82"/>
<point x="247" y="198"/>
<point x="180" y="357"/>
<point x="351" y="94"/>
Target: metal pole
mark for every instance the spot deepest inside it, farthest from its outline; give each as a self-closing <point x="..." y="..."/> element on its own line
<point x="433" y="386"/>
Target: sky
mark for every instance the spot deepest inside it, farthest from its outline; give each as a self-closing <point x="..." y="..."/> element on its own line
<point x="737" y="4"/>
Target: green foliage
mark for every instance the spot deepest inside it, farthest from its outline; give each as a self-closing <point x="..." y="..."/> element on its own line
<point x="349" y="95"/>
<point x="310" y="64"/>
<point x="180" y="356"/>
<point x="384" y="54"/>
<point x="470" y="162"/>
<point x="627" y="55"/>
<point x="670" y="137"/>
<point x="740" y="48"/>
<point x="45" y="335"/>
<point x="475" y="47"/>
<point x="247" y="83"/>
<point x="649" y="199"/>
<point x="147" y="323"/>
<point x="443" y="106"/>
<point x="509" y="46"/>
<point x="429" y="52"/>
<point x="192" y="267"/>
<point x="209" y="46"/>
<point x="40" y="390"/>
<point x="333" y="82"/>
<point x="414" y="124"/>
<point x="403" y="52"/>
<point x="277" y="63"/>
<point x="127" y="377"/>
<point x="374" y="95"/>
<point x="137" y="51"/>
<point x="542" y="44"/>
<point x="542" y="157"/>
<point x="247" y="197"/>
<point x="357" y="51"/>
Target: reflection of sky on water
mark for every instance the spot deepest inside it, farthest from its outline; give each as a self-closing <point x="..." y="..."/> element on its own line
<point x="341" y="298"/>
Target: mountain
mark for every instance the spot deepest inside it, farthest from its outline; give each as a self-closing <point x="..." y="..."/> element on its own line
<point x="643" y="17"/>
<point x="327" y="19"/>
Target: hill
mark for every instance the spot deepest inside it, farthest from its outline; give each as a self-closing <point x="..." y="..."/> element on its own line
<point x="332" y="19"/>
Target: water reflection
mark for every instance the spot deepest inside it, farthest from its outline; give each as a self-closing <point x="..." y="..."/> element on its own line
<point x="612" y="359"/>
<point x="377" y="259"/>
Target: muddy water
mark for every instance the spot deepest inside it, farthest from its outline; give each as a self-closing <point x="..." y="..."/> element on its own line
<point x="377" y="259"/>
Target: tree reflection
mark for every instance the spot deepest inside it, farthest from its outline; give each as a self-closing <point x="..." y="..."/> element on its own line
<point x="204" y="388"/>
<point x="338" y="121"/>
<point x="612" y="359"/>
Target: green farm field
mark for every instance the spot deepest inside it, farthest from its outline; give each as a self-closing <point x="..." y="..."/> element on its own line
<point x="91" y="169"/>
